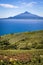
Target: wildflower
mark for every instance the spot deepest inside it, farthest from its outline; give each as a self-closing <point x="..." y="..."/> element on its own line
<point x="1" y="60"/>
<point x="11" y="59"/>
<point x="15" y="59"/>
<point x="5" y="57"/>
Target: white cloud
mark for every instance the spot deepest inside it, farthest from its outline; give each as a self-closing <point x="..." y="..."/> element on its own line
<point x="8" y="6"/>
<point x="30" y="4"/>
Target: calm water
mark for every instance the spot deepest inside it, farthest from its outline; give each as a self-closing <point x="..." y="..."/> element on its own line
<point x="15" y="26"/>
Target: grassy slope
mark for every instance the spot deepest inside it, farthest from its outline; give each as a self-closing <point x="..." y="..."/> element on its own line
<point x="23" y="39"/>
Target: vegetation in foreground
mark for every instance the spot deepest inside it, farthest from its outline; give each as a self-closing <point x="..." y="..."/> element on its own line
<point x="22" y="41"/>
<point x="22" y="49"/>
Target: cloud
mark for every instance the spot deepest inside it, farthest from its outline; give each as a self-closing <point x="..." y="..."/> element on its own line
<point x="8" y="6"/>
<point x="30" y="4"/>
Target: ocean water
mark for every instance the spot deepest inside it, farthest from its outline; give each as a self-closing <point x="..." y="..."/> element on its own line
<point x="8" y="26"/>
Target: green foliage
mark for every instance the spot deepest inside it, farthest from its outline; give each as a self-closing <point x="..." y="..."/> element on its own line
<point x="4" y="44"/>
<point x="34" y="45"/>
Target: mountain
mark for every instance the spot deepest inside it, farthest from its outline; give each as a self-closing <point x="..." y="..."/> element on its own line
<point x="26" y="15"/>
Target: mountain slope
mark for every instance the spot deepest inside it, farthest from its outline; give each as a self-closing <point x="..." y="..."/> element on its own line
<point x="26" y="15"/>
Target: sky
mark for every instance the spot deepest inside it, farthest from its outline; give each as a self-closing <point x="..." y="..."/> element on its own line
<point x="14" y="7"/>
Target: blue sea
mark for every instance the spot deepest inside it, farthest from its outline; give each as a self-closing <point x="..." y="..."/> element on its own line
<point x="8" y="26"/>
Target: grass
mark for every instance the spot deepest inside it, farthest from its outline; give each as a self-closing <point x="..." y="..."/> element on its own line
<point x="22" y="49"/>
<point x="21" y="40"/>
<point x="21" y="57"/>
<point x="12" y="52"/>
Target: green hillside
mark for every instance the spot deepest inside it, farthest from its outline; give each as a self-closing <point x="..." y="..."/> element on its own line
<point x="24" y="41"/>
<point x="22" y="48"/>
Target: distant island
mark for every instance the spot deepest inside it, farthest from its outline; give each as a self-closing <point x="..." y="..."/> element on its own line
<point x="26" y="15"/>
